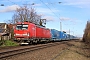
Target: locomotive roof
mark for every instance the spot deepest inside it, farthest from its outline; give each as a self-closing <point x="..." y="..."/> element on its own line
<point x="42" y="27"/>
<point x="33" y="23"/>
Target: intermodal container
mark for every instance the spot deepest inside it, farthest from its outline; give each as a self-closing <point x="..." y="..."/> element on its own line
<point x="55" y="34"/>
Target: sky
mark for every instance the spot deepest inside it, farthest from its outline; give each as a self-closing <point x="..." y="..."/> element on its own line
<point x="69" y="15"/>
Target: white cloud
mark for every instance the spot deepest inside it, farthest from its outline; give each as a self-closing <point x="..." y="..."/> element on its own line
<point x="72" y="21"/>
<point x="78" y="3"/>
<point x="48" y="18"/>
<point x="12" y="1"/>
<point x="64" y="18"/>
<point x="47" y="11"/>
<point x="33" y="4"/>
<point x="10" y="8"/>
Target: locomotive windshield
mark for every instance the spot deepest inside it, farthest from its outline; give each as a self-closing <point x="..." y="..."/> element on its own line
<point x="22" y="27"/>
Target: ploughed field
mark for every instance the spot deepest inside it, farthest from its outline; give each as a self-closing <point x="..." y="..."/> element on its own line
<point x="65" y="50"/>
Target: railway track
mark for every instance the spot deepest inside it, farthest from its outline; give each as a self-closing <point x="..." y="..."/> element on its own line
<point x="9" y="53"/>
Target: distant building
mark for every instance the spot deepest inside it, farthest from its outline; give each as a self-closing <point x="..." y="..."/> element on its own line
<point x="3" y="30"/>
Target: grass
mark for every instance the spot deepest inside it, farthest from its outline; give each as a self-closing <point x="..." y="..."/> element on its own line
<point x="7" y="43"/>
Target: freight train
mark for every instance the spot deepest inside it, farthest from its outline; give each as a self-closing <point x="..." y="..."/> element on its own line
<point x="28" y="33"/>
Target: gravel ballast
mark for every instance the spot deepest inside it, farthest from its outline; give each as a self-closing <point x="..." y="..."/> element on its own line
<point x="59" y="52"/>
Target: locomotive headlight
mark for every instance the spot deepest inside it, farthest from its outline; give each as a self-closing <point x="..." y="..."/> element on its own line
<point x="16" y="34"/>
<point x="24" y="34"/>
<point x="27" y="34"/>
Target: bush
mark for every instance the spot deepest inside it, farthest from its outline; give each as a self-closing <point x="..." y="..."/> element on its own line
<point x="7" y="43"/>
<point x="86" y="36"/>
<point x="1" y="42"/>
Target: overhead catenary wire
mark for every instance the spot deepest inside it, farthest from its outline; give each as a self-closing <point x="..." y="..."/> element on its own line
<point x="53" y="12"/>
<point x="54" y="4"/>
<point x="12" y="2"/>
<point x="49" y="8"/>
<point x="44" y="4"/>
<point x="41" y="2"/>
<point x="57" y="15"/>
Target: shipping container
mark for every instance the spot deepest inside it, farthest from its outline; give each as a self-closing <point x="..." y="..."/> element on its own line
<point x="62" y="35"/>
<point x="55" y="34"/>
<point x="67" y="36"/>
<point x="71" y="36"/>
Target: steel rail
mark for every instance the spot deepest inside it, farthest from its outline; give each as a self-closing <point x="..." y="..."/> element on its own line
<point x="9" y="53"/>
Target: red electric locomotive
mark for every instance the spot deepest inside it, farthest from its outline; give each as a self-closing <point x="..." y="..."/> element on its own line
<point x="27" y="33"/>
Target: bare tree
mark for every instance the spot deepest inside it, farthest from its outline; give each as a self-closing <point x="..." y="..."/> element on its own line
<point x="25" y="14"/>
<point x="86" y="36"/>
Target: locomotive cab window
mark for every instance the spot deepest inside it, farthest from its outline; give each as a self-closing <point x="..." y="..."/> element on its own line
<point x="22" y="27"/>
